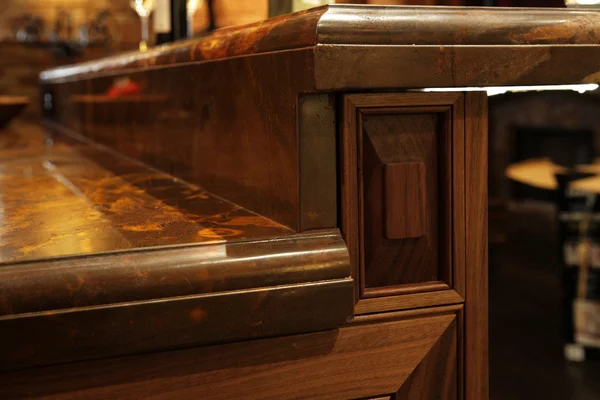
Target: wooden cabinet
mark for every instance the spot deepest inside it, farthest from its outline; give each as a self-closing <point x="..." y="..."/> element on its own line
<point x="412" y="176"/>
<point x="344" y="223"/>
<point x="407" y="196"/>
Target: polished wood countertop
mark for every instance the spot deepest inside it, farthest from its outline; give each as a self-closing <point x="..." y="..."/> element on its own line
<point x="62" y="198"/>
<point x="342" y="25"/>
<point x="103" y="256"/>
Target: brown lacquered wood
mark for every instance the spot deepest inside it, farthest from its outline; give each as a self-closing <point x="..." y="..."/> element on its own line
<point x="339" y="67"/>
<point x="394" y="138"/>
<point x="405" y="289"/>
<point x="389" y="116"/>
<point x="349" y="191"/>
<point x="253" y="114"/>
<point x="62" y="197"/>
<point x="317" y="161"/>
<point x="345" y="24"/>
<point x="406" y="314"/>
<point x="351" y="25"/>
<point x="460" y="322"/>
<point x="146" y="274"/>
<point x="110" y="330"/>
<point x="440" y="361"/>
<point x="405" y="200"/>
<point x="457" y="177"/>
<point x="391" y="139"/>
<point x="476" y="268"/>
<point x="111" y="257"/>
<point x="408" y="301"/>
<point x="280" y="33"/>
<point x="233" y="131"/>
<point x="361" y="361"/>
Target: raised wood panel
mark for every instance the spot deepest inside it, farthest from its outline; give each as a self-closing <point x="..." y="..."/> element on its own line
<point x="363" y="360"/>
<point x="405" y="149"/>
<point x="411" y="257"/>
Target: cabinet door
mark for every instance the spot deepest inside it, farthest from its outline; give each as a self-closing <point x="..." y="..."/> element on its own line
<point x="403" y="198"/>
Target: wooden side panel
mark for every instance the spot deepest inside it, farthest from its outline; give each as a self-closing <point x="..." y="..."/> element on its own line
<point x="402" y="197"/>
<point x="360" y="361"/>
<point x="476" y="307"/>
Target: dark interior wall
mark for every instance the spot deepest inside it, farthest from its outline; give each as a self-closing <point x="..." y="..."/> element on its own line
<point x="553" y="116"/>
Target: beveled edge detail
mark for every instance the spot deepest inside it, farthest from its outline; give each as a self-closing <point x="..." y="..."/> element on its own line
<point x="426" y="25"/>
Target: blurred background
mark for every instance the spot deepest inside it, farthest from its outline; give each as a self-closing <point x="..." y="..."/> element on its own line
<point x="537" y="220"/>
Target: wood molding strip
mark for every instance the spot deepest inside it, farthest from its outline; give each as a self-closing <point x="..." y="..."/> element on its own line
<point x="407" y="301"/>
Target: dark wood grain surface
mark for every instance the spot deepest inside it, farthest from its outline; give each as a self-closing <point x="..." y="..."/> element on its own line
<point x="410" y="352"/>
<point x="62" y="197"/>
<point x="396" y="138"/>
<point x="346" y="24"/>
<point x="360" y="66"/>
<point x="405" y="200"/>
<point x="476" y="269"/>
<point x="229" y="126"/>
<point x="385" y="129"/>
<point x="249" y="114"/>
<point x="356" y="25"/>
<point x="117" y="329"/>
<point x="280" y="33"/>
<point x="103" y="256"/>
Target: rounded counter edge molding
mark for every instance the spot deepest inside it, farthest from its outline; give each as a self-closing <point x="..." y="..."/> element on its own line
<point x="424" y="26"/>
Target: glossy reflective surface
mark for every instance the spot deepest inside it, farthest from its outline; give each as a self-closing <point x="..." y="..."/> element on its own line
<point x="59" y="197"/>
<point x="285" y="32"/>
<point x="108" y="257"/>
<point x="350" y="24"/>
<point x="228" y="126"/>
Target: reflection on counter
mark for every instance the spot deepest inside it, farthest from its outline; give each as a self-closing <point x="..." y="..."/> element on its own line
<point x="62" y="197"/>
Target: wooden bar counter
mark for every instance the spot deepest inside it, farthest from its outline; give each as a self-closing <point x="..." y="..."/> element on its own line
<point x="279" y="211"/>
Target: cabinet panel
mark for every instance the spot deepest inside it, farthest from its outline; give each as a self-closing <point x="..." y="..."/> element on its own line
<point x="401" y="197"/>
<point x="402" y="194"/>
